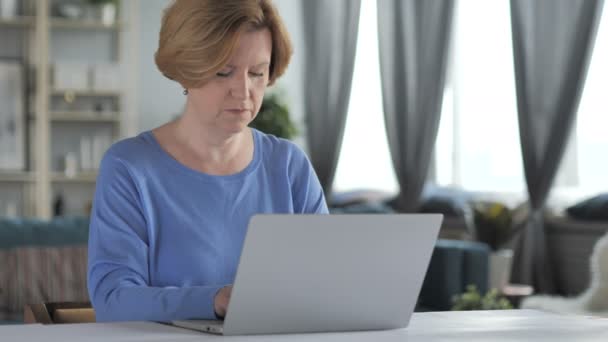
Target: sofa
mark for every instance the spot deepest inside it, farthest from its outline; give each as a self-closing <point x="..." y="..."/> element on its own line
<point x="41" y="261"/>
<point x="46" y="261"/>
<point x="593" y="301"/>
<point x="571" y="241"/>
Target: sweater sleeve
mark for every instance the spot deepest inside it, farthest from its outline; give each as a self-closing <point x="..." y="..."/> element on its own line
<point x="118" y="267"/>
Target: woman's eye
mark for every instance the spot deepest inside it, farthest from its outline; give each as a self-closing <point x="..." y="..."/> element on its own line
<point x="256" y="74"/>
<point x="223" y="74"/>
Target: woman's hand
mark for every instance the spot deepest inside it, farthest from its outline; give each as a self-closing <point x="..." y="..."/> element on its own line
<point x="222" y="298"/>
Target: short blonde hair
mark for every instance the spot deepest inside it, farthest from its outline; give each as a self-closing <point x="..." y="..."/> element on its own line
<point x="197" y="37"/>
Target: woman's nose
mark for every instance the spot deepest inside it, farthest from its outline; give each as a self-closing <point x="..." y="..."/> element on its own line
<point x="240" y="87"/>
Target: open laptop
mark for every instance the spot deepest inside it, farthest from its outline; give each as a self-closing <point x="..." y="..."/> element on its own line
<point x="325" y="273"/>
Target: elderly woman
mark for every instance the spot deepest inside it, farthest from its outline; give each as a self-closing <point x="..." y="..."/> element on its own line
<point x="172" y="205"/>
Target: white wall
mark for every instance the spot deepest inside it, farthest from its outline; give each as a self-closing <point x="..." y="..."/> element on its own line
<point x="160" y="99"/>
<point x="292" y="82"/>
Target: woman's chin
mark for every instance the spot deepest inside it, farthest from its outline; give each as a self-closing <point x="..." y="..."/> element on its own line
<point x="235" y="127"/>
<point x="234" y="124"/>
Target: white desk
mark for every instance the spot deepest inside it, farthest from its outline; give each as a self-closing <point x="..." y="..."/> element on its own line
<point x="513" y="325"/>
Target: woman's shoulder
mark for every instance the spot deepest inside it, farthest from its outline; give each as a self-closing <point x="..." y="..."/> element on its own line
<point x="275" y="147"/>
<point x="284" y="154"/>
<point x="132" y="150"/>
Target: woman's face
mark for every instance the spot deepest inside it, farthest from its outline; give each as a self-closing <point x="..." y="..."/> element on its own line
<point x="232" y="99"/>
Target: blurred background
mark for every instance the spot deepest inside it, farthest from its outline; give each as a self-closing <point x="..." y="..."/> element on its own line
<point x="491" y="112"/>
<point x="102" y="85"/>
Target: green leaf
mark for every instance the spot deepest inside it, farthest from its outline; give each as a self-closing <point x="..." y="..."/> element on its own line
<point x="473" y="300"/>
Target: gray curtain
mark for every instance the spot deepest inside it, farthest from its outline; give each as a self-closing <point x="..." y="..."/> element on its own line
<point x="552" y="44"/>
<point x="414" y="38"/>
<point x="330" y="34"/>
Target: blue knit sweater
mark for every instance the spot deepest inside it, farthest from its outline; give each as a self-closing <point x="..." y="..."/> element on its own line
<point x="165" y="238"/>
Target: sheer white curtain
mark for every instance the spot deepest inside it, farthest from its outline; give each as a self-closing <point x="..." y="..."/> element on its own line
<point x="365" y="161"/>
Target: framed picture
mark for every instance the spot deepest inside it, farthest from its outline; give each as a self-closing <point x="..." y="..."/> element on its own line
<point x="12" y="115"/>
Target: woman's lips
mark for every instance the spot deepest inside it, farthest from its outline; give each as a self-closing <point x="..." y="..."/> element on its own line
<point x="238" y="111"/>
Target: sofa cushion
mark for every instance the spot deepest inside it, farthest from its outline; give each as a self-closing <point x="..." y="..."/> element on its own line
<point x="363" y="208"/>
<point x="447" y="201"/>
<point x="355" y="197"/>
<point x="446" y="205"/>
<point x="31" y="232"/>
<point x="592" y="209"/>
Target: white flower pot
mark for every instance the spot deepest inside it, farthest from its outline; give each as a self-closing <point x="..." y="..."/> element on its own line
<point x="108" y="14"/>
<point x="8" y="9"/>
<point x="500" y="268"/>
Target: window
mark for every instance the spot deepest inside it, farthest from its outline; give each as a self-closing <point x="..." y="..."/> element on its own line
<point x="365" y="161"/>
<point x="478" y="147"/>
<point x="589" y="142"/>
<point x="478" y="141"/>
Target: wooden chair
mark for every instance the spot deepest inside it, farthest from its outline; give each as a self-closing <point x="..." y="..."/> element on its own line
<point x="59" y="312"/>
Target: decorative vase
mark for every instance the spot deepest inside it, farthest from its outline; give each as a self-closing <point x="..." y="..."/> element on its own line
<point x="8" y="9"/>
<point x="108" y="14"/>
<point x="500" y="268"/>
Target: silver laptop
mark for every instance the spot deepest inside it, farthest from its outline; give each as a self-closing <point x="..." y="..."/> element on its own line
<point x="326" y="273"/>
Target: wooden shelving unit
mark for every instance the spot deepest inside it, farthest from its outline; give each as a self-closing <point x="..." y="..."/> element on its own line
<point x="84" y="93"/>
<point x="83" y="177"/>
<point x="100" y="117"/>
<point x="40" y="27"/>
<point x="22" y="21"/>
<point x="20" y="177"/>
<point x="72" y="24"/>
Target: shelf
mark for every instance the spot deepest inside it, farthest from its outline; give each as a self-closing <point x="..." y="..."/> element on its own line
<point x="63" y="109"/>
<point x="101" y="117"/>
<point x="89" y="93"/>
<point x="21" y="21"/>
<point x="60" y="23"/>
<point x="85" y="24"/>
<point x="16" y="176"/>
<point x="83" y="177"/>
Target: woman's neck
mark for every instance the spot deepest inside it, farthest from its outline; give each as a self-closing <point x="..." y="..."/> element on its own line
<point x="209" y="144"/>
<point x="204" y="149"/>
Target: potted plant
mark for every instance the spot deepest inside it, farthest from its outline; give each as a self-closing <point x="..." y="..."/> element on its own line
<point x="496" y="225"/>
<point x="106" y="10"/>
<point x="274" y="118"/>
<point x="473" y="300"/>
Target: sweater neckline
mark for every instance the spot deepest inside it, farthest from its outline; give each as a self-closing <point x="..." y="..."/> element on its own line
<point x="174" y="163"/>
